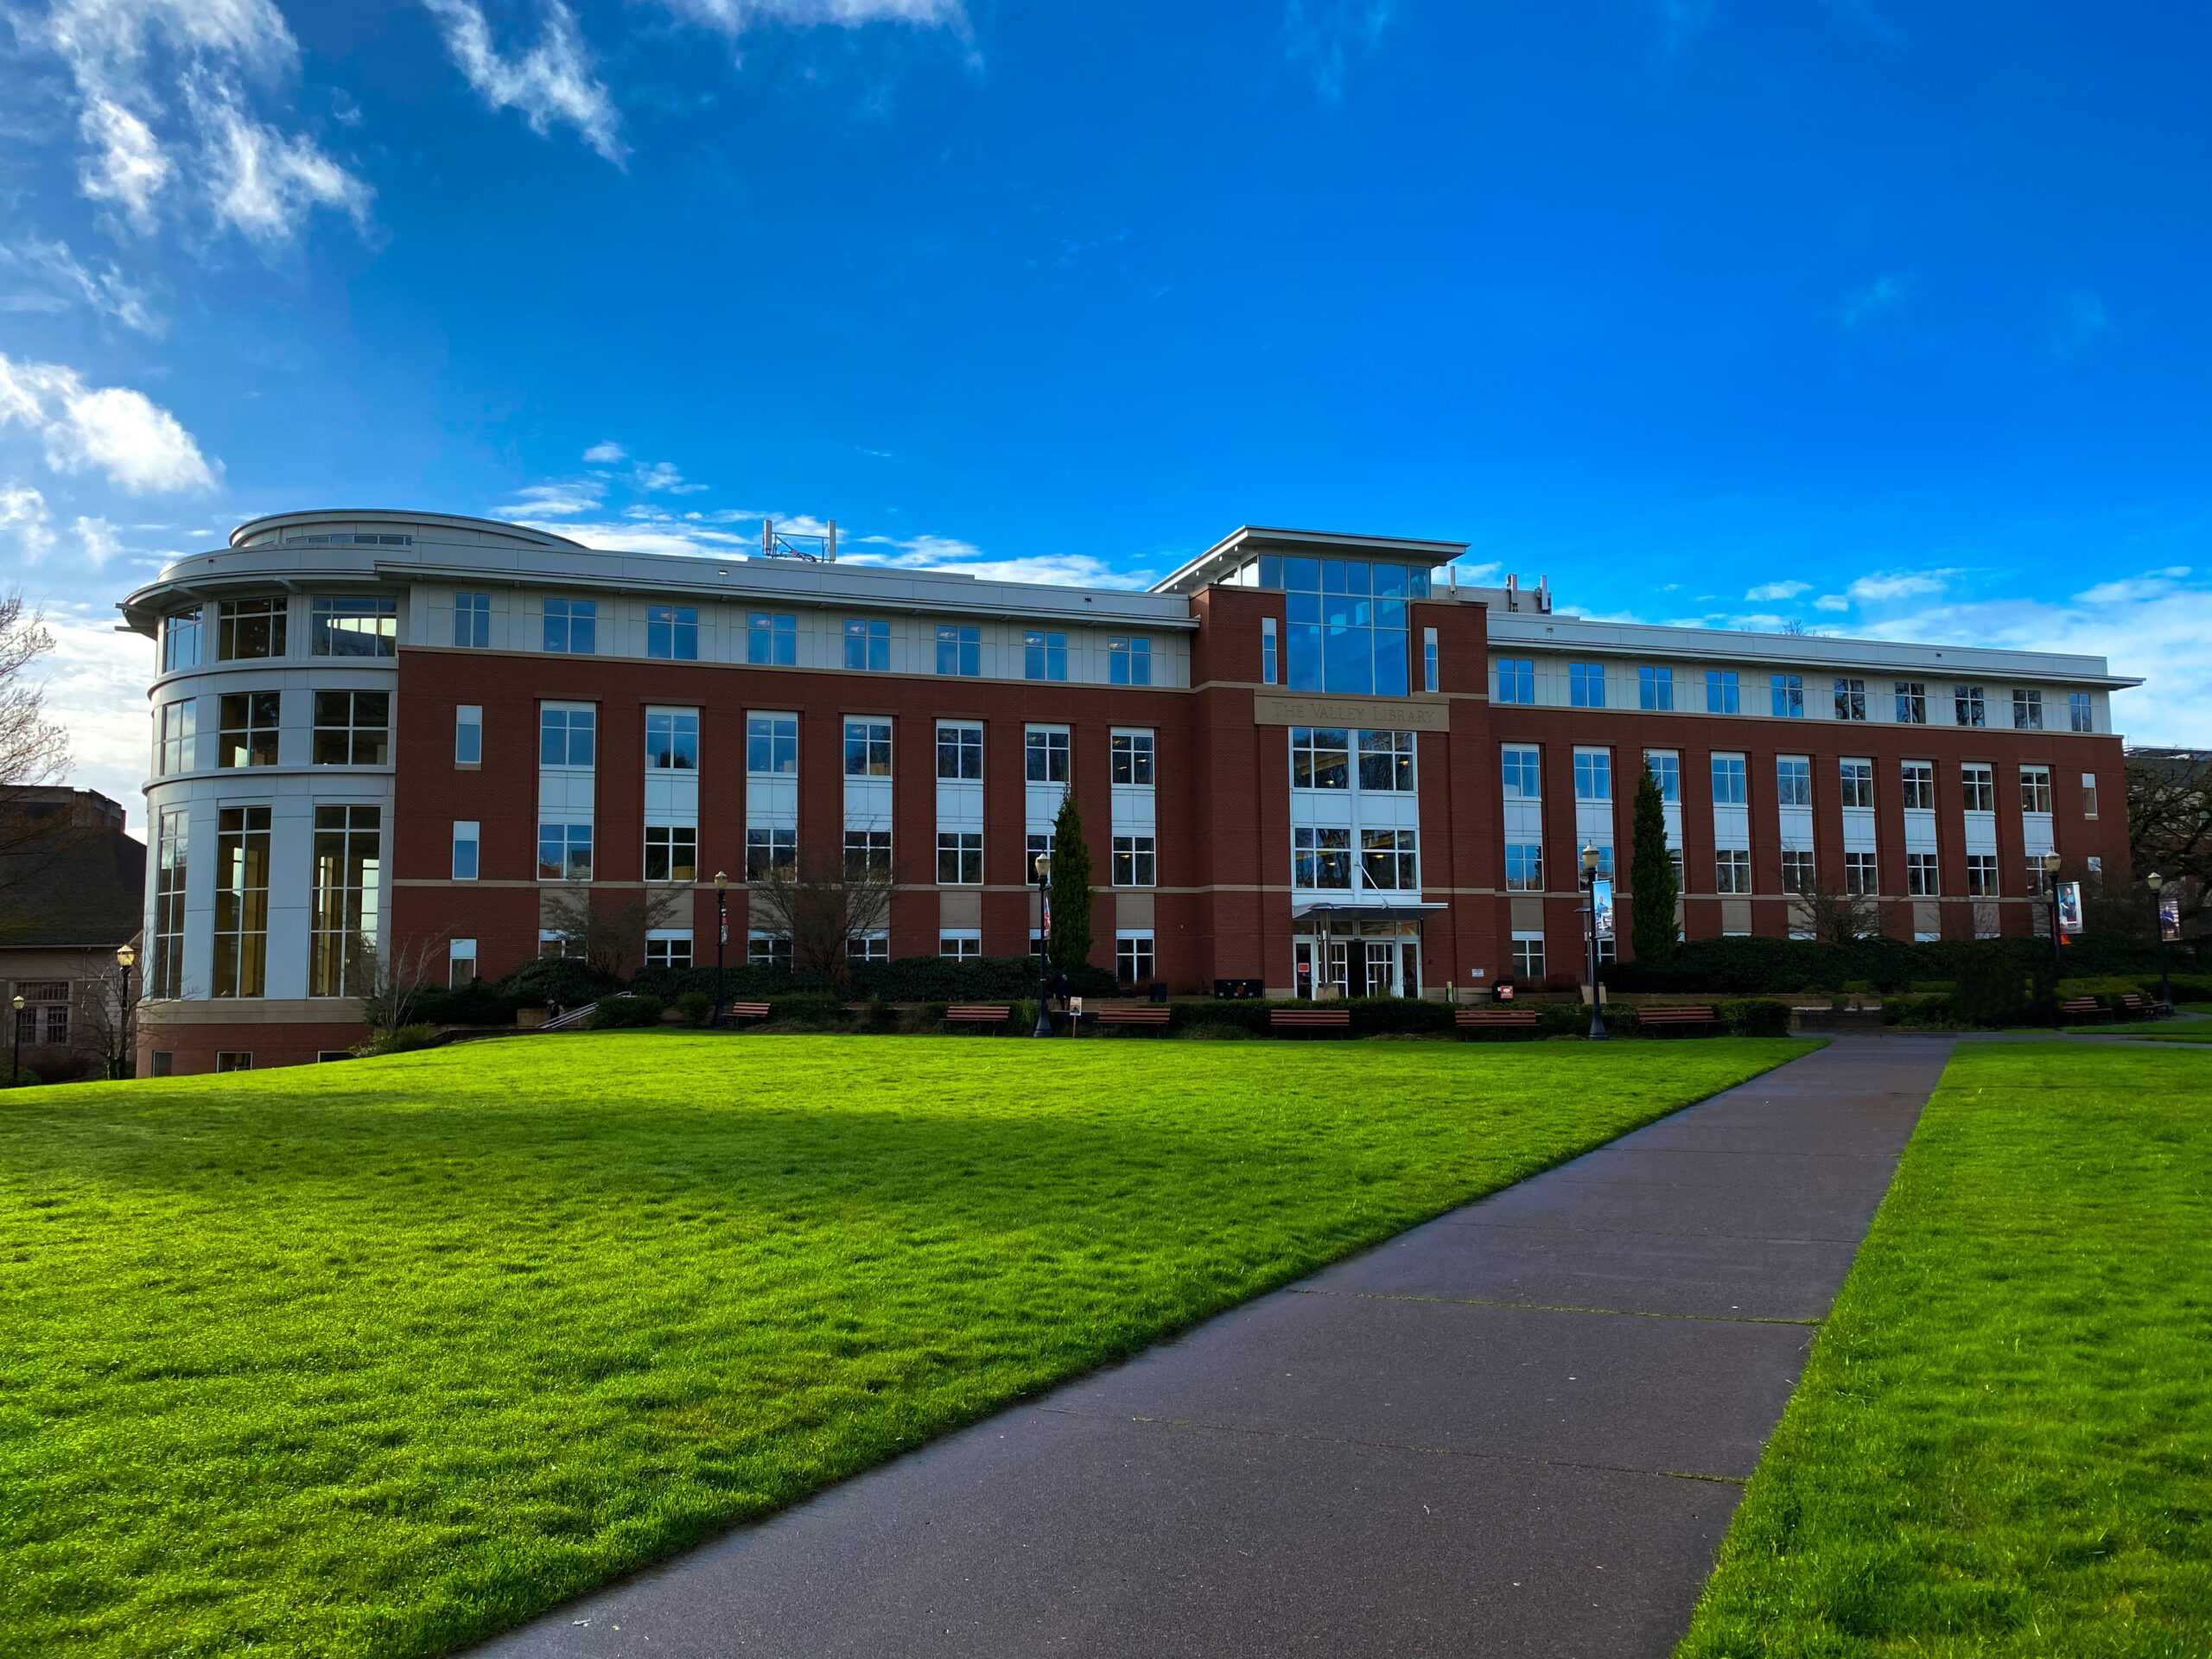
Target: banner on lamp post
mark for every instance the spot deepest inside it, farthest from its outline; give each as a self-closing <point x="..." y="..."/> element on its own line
<point x="1601" y="902"/>
<point x="2169" y="917"/>
<point x="2069" y="907"/>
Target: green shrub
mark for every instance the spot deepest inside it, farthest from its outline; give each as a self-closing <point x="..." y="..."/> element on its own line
<point x="813" y="1010"/>
<point x="1213" y="1031"/>
<point x="1754" y="965"/>
<point x="404" y="1040"/>
<point x="477" y="1003"/>
<point x="697" y="1007"/>
<point x="1563" y="1020"/>
<point x="570" y="981"/>
<point x="1755" y="1017"/>
<point x="617" y="1012"/>
<point x="1373" y="1016"/>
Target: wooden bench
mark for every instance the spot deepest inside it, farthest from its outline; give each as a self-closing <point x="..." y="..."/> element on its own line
<point x="1501" y="1019"/>
<point x="1149" y="1013"/>
<point x="1693" y="1015"/>
<point x="1310" y="1018"/>
<point x="978" y="1013"/>
<point x="737" y="1011"/>
<point x="2138" y="1007"/>
<point x="2081" y="1007"/>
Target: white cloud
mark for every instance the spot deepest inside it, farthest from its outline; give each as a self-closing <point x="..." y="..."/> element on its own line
<point x="260" y="181"/>
<point x="555" y="500"/>
<point x="1779" y="590"/>
<point x="1832" y="602"/>
<point x="735" y="17"/>
<point x="663" y="478"/>
<point x="1884" y="293"/>
<point x="1322" y="37"/>
<point x="137" y="444"/>
<point x="2151" y="584"/>
<point x="98" y="540"/>
<point x="948" y="553"/>
<point x="107" y="291"/>
<point x="24" y="518"/>
<point x="95" y="681"/>
<point x="668" y="536"/>
<point x="1899" y="584"/>
<point x="605" y="453"/>
<point x="128" y="167"/>
<point x="551" y="84"/>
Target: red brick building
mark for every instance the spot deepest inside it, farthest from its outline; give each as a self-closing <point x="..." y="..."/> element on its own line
<point x="1309" y="761"/>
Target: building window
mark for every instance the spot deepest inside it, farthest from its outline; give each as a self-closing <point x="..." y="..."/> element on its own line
<point x="1386" y="762"/>
<point x="564" y="852"/>
<point x="164" y="1063"/>
<point x="1594" y="775"/>
<point x="1348" y="622"/>
<point x="961" y="944"/>
<point x="770" y="849"/>
<point x="1132" y="759"/>
<point x="1796" y="870"/>
<point x="467" y="734"/>
<point x="1666" y="769"/>
<point x="249" y="629"/>
<point x="352" y="729"/>
<point x="770" y="745"/>
<point x="959" y="651"/>
<point x="1860" y="874"/>
<point x="868" y="748"/>
<point x="1429" y="681"/>
<point x="1045" y="755"/>
<point x="668" y="947"/>
<point x="181" y="640"/>
<point x="246" y="733"/>
<point x="180" y="725"/>
<point x="1967" y="705"/>
<point x="1850" y="699"/>
<point x="1045" y="655"/>
<point x="1731" y="870"/>
<point x="868" y="646"/>
<point x="868" y="947"/>
<point x="1268" y="652"/>
<point x="1981" y="875"/>
<point x="1035" y="847"/>
<point x="1517" y="680"/>
<point x="1856" y="780"/>
<point x="1920" y="881"/>
<point x="2080" y="713"/>
<point x="1916" y="779"/>
<point x="959" y="750"/>
<point x="572" y="626"/>
<point x="672" y="852"/>
<point x="2088" y="794"/>
<point x="1654" y="687"/>
<point x="671" y="739"/>
<point x="1321" y="858"/>
<point x="1523" y="773"/>
<point x="1722" y="695"/>
<point x="1524" y="867"/>
<point x="673" y="632"/>
<point x="2035" y="788"/>
<point x="566" y="736"/>
<point x="2027" y="710"/>
<point x="557" y="946"/>
<point x="1128" y="661"/>
<point x="1528" y="956"/>
<point x="1389" y="860"/>
<point x="353" y="625"/>
<point x="241" y="900"/>
<point x="768" y="950"/>
<point x="1320" y="757"/>
<point x="466" y="833"/>
<point x="165" y="963"/>
<point x="867" y="852"/>
<point x="959" y="858"/>
<point x="1980" y="786"/>
<point x="1135" y="863"/>
<point x="1788" y="691"/>
<point x="1728" y="781"/>
<point x="1912" y="702"/>
<point x="44" y="1017"/>
<point x="233" y="1059"/>
<point x="1793" y="780"/>
<point x="1586" y="684"/>
<point x="472" y="620"/>
<point x="1133" y="959"/>
<point x="772" y="641"/>
<point x="348" y="876"/>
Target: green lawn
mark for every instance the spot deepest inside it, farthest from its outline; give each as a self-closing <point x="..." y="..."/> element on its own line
<point x="2003" y="1443"/>
<point x="383" y="1356"/>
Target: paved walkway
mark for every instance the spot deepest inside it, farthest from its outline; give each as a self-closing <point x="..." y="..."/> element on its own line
<point x="1519" y="1429"/>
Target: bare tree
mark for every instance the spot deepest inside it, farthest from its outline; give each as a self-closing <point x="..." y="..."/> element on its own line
<point x="611" y="938"/>
<point x="109" y="1030"/>
<point x="2169" y="822"/>
<point x="1835" y="915"/>
<point x="33" y="750"/>
<point x="390" y="983"/>
<point x="819" y="909"/>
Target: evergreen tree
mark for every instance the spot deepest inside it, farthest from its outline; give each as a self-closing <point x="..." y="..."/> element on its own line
<point x="1071" y="942"/>
<point x="1652" y="924"/>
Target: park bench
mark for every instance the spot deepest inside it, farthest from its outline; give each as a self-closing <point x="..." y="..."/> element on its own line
<point x="1147" y="1014"/>
<point x="1307" y="1018"/>
<point x="2138" y="1007"/>
<point x="1693" y="1015"/>
<point x="737" y="1011"/>
<point x="978" y="1013"/>
<point x="1495" y="1019"/>
<point x="2081" y="1007"/>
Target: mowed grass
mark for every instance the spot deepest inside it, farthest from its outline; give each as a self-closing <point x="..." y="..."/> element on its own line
<point x="2003" y="1442"/>
<point x="2165" y="1031"/>
<point x="381" y="1356"/>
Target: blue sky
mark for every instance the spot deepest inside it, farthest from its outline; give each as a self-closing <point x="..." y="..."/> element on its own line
<point x="1883" y="319"/>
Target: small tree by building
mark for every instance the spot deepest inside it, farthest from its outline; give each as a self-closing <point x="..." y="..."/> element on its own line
<point x="1069" y="945"/>
<point x="108" y="1005"/>
<point x="390" y="983"/>
<point x="611" y="938"/>
<point x="1835" y="915"/>
<point x="1652" y="902"/>
<point x="820" y="909"/>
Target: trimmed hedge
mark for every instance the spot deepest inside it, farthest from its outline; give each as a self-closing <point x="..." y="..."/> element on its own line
<point x="910" y="979"/>
<point x="1751" y="965"/>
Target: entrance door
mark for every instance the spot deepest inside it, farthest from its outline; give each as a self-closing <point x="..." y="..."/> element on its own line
<point x="1301" y="961"/>
<point x="1381" y="967"/>
<point x="1340" y="965"/>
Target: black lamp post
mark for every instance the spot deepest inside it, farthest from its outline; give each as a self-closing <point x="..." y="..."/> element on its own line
<point x="1598" y="1031"/>
<point x="721" y="938"/>
<point x="1044" y="946"/>
<point x="125" y="956"/>
<point x="2155" y="881"/>
<point x="16" y="1065"/>
<point x="2051" y="890"/>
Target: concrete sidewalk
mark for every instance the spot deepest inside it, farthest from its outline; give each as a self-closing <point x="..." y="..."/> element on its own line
<point x="1520" y="1429"/>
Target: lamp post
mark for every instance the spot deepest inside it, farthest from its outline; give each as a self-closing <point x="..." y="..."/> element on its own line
<point x="2155" y="881"/>
<point x="16" y="1065"/>
<point x="1044" y="946"/>
<point x="721" y="938"/>
<point x="2050" y="890"/>
<point x="125" y="956"/>
<point x="1598" y="1031"/>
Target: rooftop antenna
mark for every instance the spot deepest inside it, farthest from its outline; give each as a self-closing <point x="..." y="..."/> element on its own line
<point x="791" y="544"/>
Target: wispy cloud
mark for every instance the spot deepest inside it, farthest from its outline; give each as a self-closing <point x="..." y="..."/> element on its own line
<point x="605" y="453"/>
<point x="98" y="540"/>
<point x="25" y="521"/>
<point x="965" y="558"/>
<point x="1883" y="295"/>
<point x="1832" y="602"/>
<point x="552" y="84"/>
<point x="69" y="281"/>
<point x="663" y="478"/>
<point x="1324" y="37"/>
<point x="2151" y="584"/>
<point x="1770" y="590"/>
<point x="1890" y="585"/>
<point x="555" y="500"/>
<point x="136" y="444"/>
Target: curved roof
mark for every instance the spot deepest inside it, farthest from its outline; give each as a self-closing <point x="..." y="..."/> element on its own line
<point x="253" y="527"/>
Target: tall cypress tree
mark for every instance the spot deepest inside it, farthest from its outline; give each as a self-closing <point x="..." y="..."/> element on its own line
<point x="1652" y="924"/>
<point x="1071" y="942"/>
